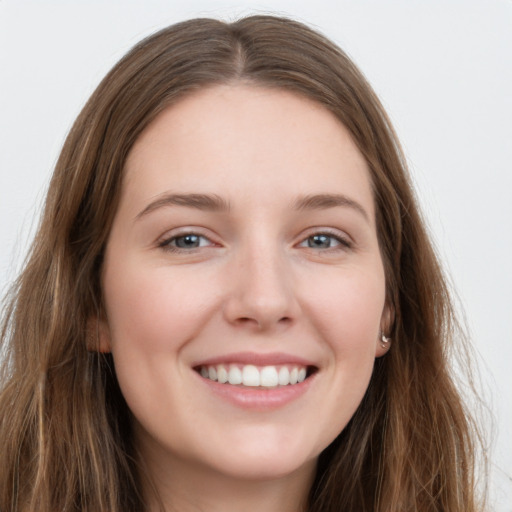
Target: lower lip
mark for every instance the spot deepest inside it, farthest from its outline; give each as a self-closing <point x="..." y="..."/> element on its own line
<point x="259" y="398"/>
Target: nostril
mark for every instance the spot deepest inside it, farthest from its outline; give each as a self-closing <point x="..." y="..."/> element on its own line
<point x="247" y="320"/>
<point x="262" y="323"/>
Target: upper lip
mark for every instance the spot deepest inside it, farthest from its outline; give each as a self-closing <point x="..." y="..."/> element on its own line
<point x="256" y="359"/>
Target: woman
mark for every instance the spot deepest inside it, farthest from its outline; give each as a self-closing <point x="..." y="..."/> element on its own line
<point x="232" y="302"/>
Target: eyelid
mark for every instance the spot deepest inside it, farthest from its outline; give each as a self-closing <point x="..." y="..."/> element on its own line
<point x="164" y="242"/>
<point x="345" y="241"/>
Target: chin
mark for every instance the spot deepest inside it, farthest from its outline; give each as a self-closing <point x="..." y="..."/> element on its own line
<point x="266" y="457"/>
<point x="262" y="468"/>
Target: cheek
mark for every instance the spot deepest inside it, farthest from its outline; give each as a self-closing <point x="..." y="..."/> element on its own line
<point x="155" y="309"/>
<point x="348" y="318"/>
<point x="347" y="310"/>
<point x="153" y="312"/>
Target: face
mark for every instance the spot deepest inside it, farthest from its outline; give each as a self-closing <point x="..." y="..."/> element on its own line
<point x="243" y="283"/>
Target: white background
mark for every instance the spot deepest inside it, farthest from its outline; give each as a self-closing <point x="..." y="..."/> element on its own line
<point x="443" y="69"/>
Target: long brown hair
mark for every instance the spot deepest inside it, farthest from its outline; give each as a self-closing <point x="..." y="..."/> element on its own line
<point x="65" y="436"/>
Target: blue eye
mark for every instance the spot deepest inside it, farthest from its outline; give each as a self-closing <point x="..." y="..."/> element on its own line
<point x="324" y="241"/>
<point x="185" y="241"/>
<point x="321" y="241"/>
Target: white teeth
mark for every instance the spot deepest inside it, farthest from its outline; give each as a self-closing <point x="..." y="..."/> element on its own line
<point x="250" y="376"/>
<point x="253" y="376"/>
<point x="269" y="377"/>
<point x="235" y="375"/>
<point x="284" y="376"/>
<point x="222" y="374"/>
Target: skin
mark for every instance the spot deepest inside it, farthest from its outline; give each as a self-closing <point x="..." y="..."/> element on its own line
<point x="256" y="283"/>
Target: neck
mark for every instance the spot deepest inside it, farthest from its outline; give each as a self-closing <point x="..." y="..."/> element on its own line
<point x="185" y="486"/>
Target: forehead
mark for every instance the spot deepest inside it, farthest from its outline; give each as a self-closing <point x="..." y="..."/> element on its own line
<point x="247" y="140"/>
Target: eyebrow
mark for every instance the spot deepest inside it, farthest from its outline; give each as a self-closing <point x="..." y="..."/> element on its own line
<point x="215" y="203"/>
<point x="208" y="202"/>
<point x="324" y="201"/>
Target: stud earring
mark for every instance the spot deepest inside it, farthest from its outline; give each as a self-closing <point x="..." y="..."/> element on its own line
<point x="384" y="342"/>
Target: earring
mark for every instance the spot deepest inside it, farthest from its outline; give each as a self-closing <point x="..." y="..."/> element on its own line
<point x="384" y="342"/>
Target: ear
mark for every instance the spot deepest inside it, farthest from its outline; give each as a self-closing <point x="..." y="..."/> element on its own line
<point x="384" y="340"/>
<point x="98" y="335"/>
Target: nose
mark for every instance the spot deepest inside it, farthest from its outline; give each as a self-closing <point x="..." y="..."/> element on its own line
<point x="262" y="294"/>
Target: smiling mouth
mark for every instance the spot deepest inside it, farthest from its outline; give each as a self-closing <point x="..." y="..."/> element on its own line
<point x="256" y="376"/>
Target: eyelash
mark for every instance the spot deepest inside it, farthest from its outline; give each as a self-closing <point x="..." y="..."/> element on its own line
<point x="342" y="242"/>
<point x="167" y="243"/>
